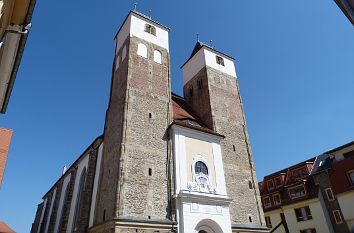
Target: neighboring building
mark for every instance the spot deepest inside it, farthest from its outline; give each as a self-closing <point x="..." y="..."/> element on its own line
<point x="5" y="139"/>
<point x="316" y="195"/>
<point x="5" y="228"/>
<point x="15" y="18"/>
<point x="165" y="163"/>
<point x="347" y="6"/>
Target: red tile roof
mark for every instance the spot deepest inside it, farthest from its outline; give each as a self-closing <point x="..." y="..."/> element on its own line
<point x="184" y="115"/>
<point x="5" y="228"/>
<point x="5" y="138"/>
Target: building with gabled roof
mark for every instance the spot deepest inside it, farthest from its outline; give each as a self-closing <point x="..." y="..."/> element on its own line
<point x="316" y="195"/>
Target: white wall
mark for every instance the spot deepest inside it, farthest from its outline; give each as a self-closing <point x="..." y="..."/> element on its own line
<point x="135" y="26"/>
<point x="192" y="213"/>
<point x="195" y="207"/>
<point x="206" y="57"/>
<point x="318" y="220"/>
<point x="81" y="166"/>
<point x="95" y="185"/>
<point x="181" y="168"/>
<point x="346" y="203"/>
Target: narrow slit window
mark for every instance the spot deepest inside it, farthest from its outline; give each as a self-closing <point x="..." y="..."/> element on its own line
<point x="191" y="91"/>
<point x="200" y="84"/>
<point x="150" y="172"/>
<point x="250" y="185"/>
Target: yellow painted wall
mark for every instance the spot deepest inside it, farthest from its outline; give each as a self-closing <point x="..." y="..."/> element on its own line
<point x="195" y="147"/>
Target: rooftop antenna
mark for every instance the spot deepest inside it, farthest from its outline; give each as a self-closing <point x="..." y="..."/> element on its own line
<point x="211" y="43"/>
<point x="150" y="13"/>
<point x="197" y="37"/>
<point x="135" y="4"/>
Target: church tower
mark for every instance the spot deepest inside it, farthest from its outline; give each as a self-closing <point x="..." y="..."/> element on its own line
<point x="134" y="177"/>
<point x="211" y="88"/>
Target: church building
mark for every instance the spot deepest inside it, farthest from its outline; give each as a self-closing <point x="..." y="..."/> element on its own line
<point x="165" y="163"/>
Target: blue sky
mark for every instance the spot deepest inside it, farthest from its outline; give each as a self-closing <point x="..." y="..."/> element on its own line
<point x="294" y="60"/>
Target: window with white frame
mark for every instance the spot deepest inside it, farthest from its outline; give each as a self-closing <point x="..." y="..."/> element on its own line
<point x="142" y="50"/>
<point x="337" y="216"/>
<point x="329" y="194"/>
<point x="303" y="213"/>
<point x="266" y="202"/>
<point x="297" y="192"/>
<point x="276" y="199"/>
<point x="201" y="176"/>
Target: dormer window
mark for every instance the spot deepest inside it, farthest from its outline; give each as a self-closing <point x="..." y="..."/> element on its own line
<point x="150" y="29"/>
<point x="220" y="61"/>
<point x="297" y="191"/>
<point x="270" y="184"/>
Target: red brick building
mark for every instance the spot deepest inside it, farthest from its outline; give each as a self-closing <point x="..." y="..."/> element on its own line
<point x="5" y="138"/>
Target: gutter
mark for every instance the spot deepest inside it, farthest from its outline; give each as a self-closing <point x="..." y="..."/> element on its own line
<point x="18" y="58"/>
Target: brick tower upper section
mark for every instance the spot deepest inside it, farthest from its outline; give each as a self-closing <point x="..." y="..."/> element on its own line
<point x="211" y="88"/>
<point x="134" y="180"/>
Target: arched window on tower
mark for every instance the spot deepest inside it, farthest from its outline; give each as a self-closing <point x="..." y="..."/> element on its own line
<point x="157" y="56"/>
<point x="142" y="50"/>
<point x="150" y="29"/>
<point x="78" y="200"/>
<point x="220" y="60"/>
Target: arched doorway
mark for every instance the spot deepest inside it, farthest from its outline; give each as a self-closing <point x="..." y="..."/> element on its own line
<point x="208" y="226"/>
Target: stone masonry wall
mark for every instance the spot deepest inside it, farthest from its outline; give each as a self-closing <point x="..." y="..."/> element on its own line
<point x="110" y="164"/>
<point x="228" y="120"/>
<point x="148" y="111"/>
<point x="136" y="122"/>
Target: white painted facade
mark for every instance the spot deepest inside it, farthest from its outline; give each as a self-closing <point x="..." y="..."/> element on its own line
<point x="134" y="25"/>
<point x="198" y="208"/>
<point x="95" y="184"/>
<point x="50" y="210"/>
<point x="317" y="222"/>
<point x="346" y="203"/>
<point x="207" y="57"/>
<point x="81" y="166"/>
<point x="61" y="202"/>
